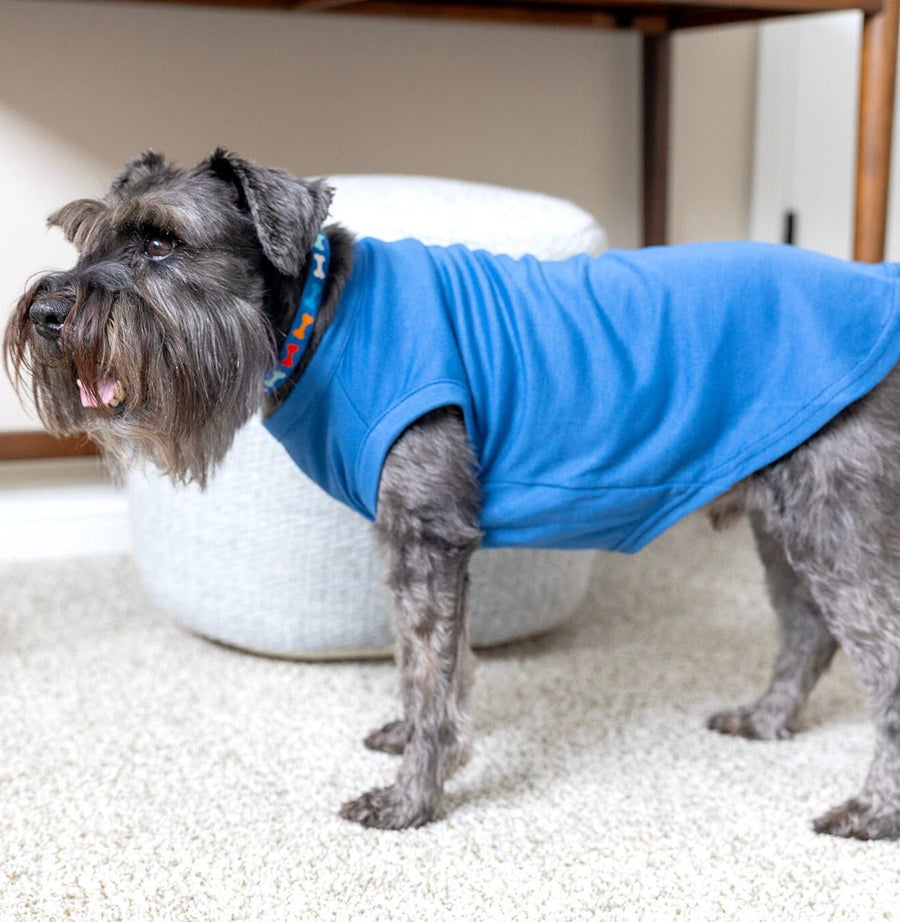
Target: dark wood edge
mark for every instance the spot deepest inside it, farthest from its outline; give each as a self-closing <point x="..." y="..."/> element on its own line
<point x="588" y="12"/>
<point x="34" y="446"/>
<point x="644" y="15"/>
<point x="657" y="67"/>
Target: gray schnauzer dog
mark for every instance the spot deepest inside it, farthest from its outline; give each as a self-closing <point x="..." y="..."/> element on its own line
<point x="180" y="320"/>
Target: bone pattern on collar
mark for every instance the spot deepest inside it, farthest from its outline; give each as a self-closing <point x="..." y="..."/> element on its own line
<point x="298" y="337"/>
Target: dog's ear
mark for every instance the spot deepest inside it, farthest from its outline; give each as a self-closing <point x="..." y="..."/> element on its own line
<point x="147" y="168"/>
<point x="287" y="212"/>
<point x="76" y="218"/>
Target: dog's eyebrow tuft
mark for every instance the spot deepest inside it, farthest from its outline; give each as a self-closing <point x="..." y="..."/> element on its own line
<point x="145" y="213"/>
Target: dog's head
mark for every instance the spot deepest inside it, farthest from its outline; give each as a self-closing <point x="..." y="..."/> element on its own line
<point x="157" y="342"/>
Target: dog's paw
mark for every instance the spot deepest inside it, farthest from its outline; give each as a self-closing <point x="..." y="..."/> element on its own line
<point x="387" y="808"/>
<point x="750" y="723"/>
<point x="390" y="738"/>
<point x="858" y="819"/>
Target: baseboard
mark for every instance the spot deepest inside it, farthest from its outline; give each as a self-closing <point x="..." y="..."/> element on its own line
<point x="55" y="509"/>
<point x="32" y="446"/>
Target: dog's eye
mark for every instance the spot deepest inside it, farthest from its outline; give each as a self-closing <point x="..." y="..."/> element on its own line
<point x="158" y="246"/>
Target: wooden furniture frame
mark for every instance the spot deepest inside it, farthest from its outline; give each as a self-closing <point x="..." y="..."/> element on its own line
<point x="656" y="20"/>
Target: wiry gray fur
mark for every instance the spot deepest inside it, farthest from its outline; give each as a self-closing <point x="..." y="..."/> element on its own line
<point x="191" y="335"/>
<point x="827" y="522"/>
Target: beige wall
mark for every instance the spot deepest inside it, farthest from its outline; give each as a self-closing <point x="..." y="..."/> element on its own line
<point x="714" y="82"/>
<point x="84" y="86"/>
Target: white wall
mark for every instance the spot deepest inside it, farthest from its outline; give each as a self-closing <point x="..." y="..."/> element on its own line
<point x="84" y="86"/>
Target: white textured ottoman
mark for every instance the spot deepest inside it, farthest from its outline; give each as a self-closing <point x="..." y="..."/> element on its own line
<point x="264" y="560"/>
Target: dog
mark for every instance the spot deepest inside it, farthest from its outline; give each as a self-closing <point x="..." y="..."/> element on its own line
<point x="480" y="416"/>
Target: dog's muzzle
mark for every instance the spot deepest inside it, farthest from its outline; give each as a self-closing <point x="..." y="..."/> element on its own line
<point x="48" y="314"/>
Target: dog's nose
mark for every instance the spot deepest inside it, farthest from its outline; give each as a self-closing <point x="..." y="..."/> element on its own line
<point x="48" y="314"/>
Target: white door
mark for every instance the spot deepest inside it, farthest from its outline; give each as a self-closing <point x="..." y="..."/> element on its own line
<point x="808" y="74"/>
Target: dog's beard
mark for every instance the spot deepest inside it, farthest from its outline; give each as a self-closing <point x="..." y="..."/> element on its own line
<point x="186" y="375"/>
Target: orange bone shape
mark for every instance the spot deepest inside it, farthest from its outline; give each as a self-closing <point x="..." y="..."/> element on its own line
<point x="305" y="322"/>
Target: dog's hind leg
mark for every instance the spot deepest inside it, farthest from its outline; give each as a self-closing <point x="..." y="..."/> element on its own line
<point x="835" y="503"/>
<point x="866" y="617"/>
<point x="428" y="520"/>
<point x="806" y="648"/>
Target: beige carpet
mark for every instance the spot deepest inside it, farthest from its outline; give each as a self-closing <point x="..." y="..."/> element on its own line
<point x="148" y="774"/>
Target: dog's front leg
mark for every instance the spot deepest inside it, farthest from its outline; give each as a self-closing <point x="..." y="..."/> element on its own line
<point x="427" y="518"/>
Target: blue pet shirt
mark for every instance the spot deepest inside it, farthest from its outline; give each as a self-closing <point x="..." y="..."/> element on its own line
<point x="605" y="397"/>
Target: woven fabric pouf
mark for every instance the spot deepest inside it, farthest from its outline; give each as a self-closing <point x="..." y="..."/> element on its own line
<point x="265" y="561"/>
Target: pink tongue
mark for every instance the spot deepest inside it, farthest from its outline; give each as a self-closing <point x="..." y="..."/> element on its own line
<point x="106" y="389"/>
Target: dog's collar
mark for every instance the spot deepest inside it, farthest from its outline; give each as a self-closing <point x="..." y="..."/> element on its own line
<point x="304" y="320"/>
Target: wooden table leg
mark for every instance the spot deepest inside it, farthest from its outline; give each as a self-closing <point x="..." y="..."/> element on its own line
<point x="657" y="65"/>
<point x="874" y="131"/>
